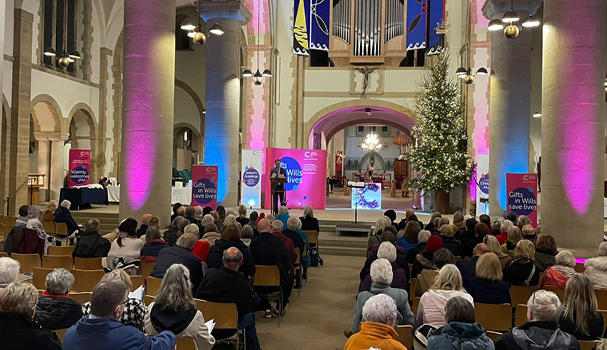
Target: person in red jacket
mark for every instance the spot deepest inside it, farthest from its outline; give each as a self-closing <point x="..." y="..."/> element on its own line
<point x="277" y="231"/>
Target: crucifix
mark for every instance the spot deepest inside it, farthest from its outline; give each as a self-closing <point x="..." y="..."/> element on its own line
<point x="365" y="71"/>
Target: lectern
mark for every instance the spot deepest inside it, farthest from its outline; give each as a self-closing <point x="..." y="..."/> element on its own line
<point x="277" y="189"/>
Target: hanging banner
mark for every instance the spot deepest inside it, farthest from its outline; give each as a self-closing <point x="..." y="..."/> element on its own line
<point x="301" y="33"/>
<point x="482" y="184"/>
<point x="250" y="190"/>
<point x="417" y="19"/>
<point x="306" y="177"/>
<point x="522" y="195"/>
<point x="80" y="167"/>
<point x="204" y="186"/>
<point x="320" y="11"/>
<point x="436" y="41"/>
<point x="339" y="160"/>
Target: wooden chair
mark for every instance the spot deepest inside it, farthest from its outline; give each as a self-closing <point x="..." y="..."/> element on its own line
<point x="39" y="278"/>
<point x="579" y="268"/>
<point x="81" y="297"/>
<point x="85" y="280"/>
<point x="56" y="250"/>
<point x="558" y="291"/>
<point x="49" y="227"/>
<point x="27" y="261"/>
<point x="601" y="298"/>
<point x="269" y="276"/>
<point x="492" y="317"/>
<point x="405" y="335"/>
<point x="521" y="294"/>
<point x="588" y="344"/>
<point x="61" y="229"/>
<point x="57" y="261"/>
<point x="186" y="343"/>
<point x="225" y="316"/>
<point x="412" y="289"/>
<point x="520" y="315"/>
<point x="145" y="269"/>
<point x="604" y="314"/>
<point x="312" y="236"/>
<point x="60" y="333"/>
<point x="153" y="285"/>
<point x="415" y="305"/>
<point x="88" y="263"/>
<point x="148" y="299"/>
<point x="137" y="281"/>
<point x="495" y="336"/>
<point x="3" y="255"/>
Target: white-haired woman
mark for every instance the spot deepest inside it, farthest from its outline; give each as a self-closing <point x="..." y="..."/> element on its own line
<point x="381" y="223"/>
<point x="62" y="214"/>
<point x="558" y="274"/>
<point x="229" y="220"/>
<point x="300" y="240"/>
<point x="33" y="239"/>
<point x="400" y="276"/>
<point x="596" y="268"/>
<point x="308" y="221"/>
<point x="55" y="310"/>
<point x="174" y="309"/>
<point x="9" y="272"/>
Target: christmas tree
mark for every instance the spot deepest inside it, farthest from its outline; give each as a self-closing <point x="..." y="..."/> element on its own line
<point x="439" y="154"/>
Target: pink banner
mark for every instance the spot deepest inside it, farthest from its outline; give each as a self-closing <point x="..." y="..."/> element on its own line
<point x="80" y="167"/>
<point x="522" y="195"/>
<point x="204" y="186"/>
<point x="306" y="177"/>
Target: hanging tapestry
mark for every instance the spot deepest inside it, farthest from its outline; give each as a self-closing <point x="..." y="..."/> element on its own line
<point x="320" y="11"/>
<point x="301" y="27"/>
<point x="417" y="19"/>
<point x="436" y="41"/>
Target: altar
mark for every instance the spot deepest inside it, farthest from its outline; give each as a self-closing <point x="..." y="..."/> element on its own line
<point x="367" y="197"/>
<point x="181" y="195"/>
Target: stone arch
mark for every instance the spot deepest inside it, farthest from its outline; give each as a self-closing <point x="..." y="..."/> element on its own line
<point x="378" y="160"/>
<point x="178" y="130"/>
<point x="201" y="110"/>
<point x="79" y="115"/>
<point x="42" y="122"/>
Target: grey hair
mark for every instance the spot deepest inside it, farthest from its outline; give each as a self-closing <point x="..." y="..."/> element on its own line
<point x="544" y="306"/>
<point x="423" y="236"/>
<point x="381" y="223"/>
<point x="308" y="211"/>
<point x="283" y="210"/>
<point x="33" y="212"/>
<point x="293" y="223"/>
<point x="186" y="240"/>
<point x="35" y="224"/>
<point x="226" y="256"/>
<point x="506" y="224"/>
<point x="59" y="282"/>
<point x="380" y="309"/>
<point x="387" y="251"/>
<point x="247" y="231"/>
<point x="207" y="219"/>
<point x="9" y="270"/>
<point x="496" y="223"/>
<point x="66" y="204"/>
<point x="603" y="249"/>
<point x="230" y="212"/>
<point x="523" y="220"/>
<point x="176" y="289"/>
<point x="229" y="220"/>
<point x="191" y="228"/>
<point x="514" y="234"/>
<point x="276" y="225"/>
<point x="153" y="232"/>
<point x="381" y="271"/>
<point x="565" y="258"/>
<point x="177" y="221"/>
<point x="198" y="210"/>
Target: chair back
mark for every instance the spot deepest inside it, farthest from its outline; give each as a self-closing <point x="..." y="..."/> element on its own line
<point x="81" y="297"/>
<point x="27" y="261"/>
<point x="3" y="255"/>
<point x="521" y="294"/>
<point x="601" y="298"/>
<point x="412" y="289"/>
<point x="415" y="305"/>
<point x="579" y="268"/>
<point x="39" y="278"/>
<point x="85" y="280"/>
<point x="148" y="299"/>
<point x="558" y="291"/>
<point x="57" y="261"/>
<point x="225" y="315"/>
<point x="495" y="336"/>
<point x="520" y="315"/>
<point x="56" y="250"/>
<point x="186" y="343"/>
<point x="153" y="285"/>
<point x="312" y="236"/>
<point x="88" y="263"/>
<point x="61" y="228"/>
<point x="405" y="335"/>
<point x="604" y="314"/>
<point x="136" y="281"/>
<point x="49" y="227"/>
<point x="588" y="344"/>
<point x="60" y="333"/>
<point x="494" y="317"/>
<point x="267" y="276"/>
<point x="145" y="269"/>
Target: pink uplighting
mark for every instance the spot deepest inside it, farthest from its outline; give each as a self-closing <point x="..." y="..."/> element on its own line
<point x="257" y="135"/>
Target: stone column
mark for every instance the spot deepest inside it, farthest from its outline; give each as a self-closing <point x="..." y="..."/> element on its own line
<point x="148" y="99"/>
<point x="44" y="153"/>
<point x="509" y="102"/>
<point x="20" y="109"/>
<point x="57" y="171"/>
<point x="222" y="100"/>
<point x="573" y="108"/>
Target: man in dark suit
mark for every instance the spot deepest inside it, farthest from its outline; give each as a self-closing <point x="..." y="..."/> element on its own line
<point x="279" y="188"/>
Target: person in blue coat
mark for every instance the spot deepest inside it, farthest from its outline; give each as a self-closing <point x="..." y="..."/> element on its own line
<point x="101" y="330"/>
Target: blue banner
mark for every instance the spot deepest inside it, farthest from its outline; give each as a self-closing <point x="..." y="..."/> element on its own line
<point x="320" y="11"/>
<point x="417" y="24"/>
<point x="436" y="42"/>
<point x="301" y="27"/>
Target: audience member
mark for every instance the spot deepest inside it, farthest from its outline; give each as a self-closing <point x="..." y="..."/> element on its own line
<point x="9" y="272"/>
<point x="375" y="238"/>
<point x="426" y="277"/>
<point x="422" y="239"/>
<point x="542" y="331"/>
<point x="461" y="330"/>
<point x="253" y="220"/>
<point x="17" y="327"/>
<point x="522" y="220"/>
<point x="300" y="240"/>
<point x="90" y="244"/>
<point x="379" y="316"/>
<point x="227" y="285"/>
<point x="55" y="310"/>
<point x="230" y="237"/>
<point x="468" y="267"/>
<point x="153" y="244"/>
<point x="190" y="214"/>
<point x="308" y="221"/>
<point x="181" y="253"/>
<point x="449" y="242"/>
<point x="511" y="216"/>
<point x="277" y="227"/>
<point x="211" y="233"/>
<point x="49" y="212"/>
<point x="480" y="231"/>
<point x="487" y="285"/>
<point x="558" y="274"/>
<point x="431" y="226"/>
<point x="401" y="259"/>
<point x="201" y="247"/>
<point x="580" y="316"/>
<point x="448" y="284"/>
<point x="503" y="236"/>
<point x="408" y="240"/>
<point x="178" y="210"/>
<point x="494" y="247"/>
<point x="529" y="233"/>
<point x="545" y="252"/>
<point x="175" y="230"/>
<point x="174" y="310"/>
<point x="246" y="234"/>
<point x="521" y="271"/>
<point x="126" y="249"/>
<point x="467" y="237"/>
<point x="403" y="223"/>
<point x="242" y="215"/>
<point x="63" y="215"/>
<point x="486" y="220"/>
<point x="596" y="268"/>
<point x="134" y="309"/>
<point x="15" y="232"/>
<point x="102" y="330"/>
<point x="33" y="239"/>
<point x="458" y="221"/>
<point x="145" y="220"/>
<point x="206" y="219"/>
<point x="514" y="236"/>
<point x="400" y="276"/>
<point x="423" y="260"/>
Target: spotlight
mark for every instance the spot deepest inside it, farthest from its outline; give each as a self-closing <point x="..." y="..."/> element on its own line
<point x="187" y="24"/>
<point x="50" y="52"/>
<point x="537" y="115"/>
<point x="216" y="29"/>
<point x="267" y="73"/>
<point x="247" y="73"/>
<point x="258" y="78"/>
<point x="64" y="60"/>
<point x="469" y="79"/>
<point x="191" y="34"/>
<point x="531" y="22"/>
<point x="199" y="38"/>
<point x="461" y="72"/>
<point x="495" y="25"/>
<point x="75" y="55"/>
<point x="511" y="31"/>
<point x="511" y="16"/>
<point x="482" y="71"/>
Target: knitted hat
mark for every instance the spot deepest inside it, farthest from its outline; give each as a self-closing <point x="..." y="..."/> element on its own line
<point x="435" y="242"/>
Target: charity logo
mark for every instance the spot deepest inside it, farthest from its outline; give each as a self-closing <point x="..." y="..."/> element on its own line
<point x="522" y="201"/>
<point x="250" y="177"/>
<point x="204" y="191"/>
<point x="293" y="172"/>
<point x="79" y="175"/>
<point x="484" y="183"/>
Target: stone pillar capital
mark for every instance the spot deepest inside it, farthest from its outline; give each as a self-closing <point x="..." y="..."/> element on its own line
<point x="50" y="136"/>
<point x="224" y="9"/>
<point x="496" y="8"/>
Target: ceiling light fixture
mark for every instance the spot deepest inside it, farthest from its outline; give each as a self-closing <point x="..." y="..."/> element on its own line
<point x="216" y="30"/>
<point x="187" y="25"/>
<point x="495" y="25"/>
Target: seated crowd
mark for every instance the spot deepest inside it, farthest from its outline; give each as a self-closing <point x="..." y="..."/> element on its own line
<point x="205" y="254"/>
<point x="441" y="270"/>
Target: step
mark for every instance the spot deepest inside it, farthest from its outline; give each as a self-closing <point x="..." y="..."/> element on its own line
<point x="342" y="251"/>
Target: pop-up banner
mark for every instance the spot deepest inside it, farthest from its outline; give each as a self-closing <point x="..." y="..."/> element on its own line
<point x="80" y="167"/>
<point x="522" y="195"/>
<point x="306" y="172"/>
<point x="204" y="186"/>
<point x="482" y="178"/>
<point x="250" y="191"/>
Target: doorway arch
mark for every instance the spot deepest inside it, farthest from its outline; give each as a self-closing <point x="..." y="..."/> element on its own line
<point x="82" y="134"/>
